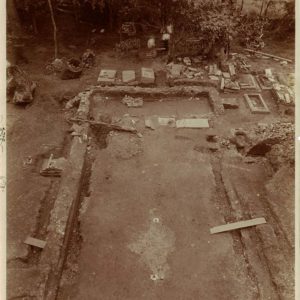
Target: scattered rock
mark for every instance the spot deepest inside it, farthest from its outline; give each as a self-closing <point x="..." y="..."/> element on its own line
<point x="72" y="70"/>
<point x="213" y="147"/>
<point x="187" y="61"/>
<point x="88" y="58"/>
<point x="58" y="65"/>
<point x="19" y="86"/>
<point x="212" y="136"/>
<point x="132" y="102"/>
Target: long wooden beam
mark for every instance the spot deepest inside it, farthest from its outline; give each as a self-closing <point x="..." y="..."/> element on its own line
<point x="237" y="225"/>
<point x="269" y="55"/>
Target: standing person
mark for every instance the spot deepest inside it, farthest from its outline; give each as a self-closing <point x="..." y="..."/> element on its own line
<point x="166" y="37"/>
<point x="151" y="42"/>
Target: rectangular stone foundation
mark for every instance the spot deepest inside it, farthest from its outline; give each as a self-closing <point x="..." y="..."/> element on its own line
<point x="261" y="108"/>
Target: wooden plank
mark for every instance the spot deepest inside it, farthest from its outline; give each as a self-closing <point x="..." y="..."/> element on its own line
<point x="35" y="242"/>
<point x="237" y="225"/>
<point x="112" y="126"/>
<point x="269" y="55"/>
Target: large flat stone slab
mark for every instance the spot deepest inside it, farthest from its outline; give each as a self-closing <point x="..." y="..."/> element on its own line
<point x="192" y="123"/>
<point x="107" y="76"/>
<point x="128" y="76"/>
<point x="147" y="76"/>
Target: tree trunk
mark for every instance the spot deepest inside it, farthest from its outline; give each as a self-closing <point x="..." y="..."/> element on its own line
<point x="13" y="20"/>
<point x="110" y="14"/>
<point x="242" y="5"/>
<point x="267" y="7"/>
<point x="262" y="6"/>
<point x="54" y="30"/>
<point x="33" y="17"/>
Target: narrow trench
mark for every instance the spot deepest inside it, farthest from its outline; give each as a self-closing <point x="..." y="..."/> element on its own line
<point x="283" y="241"/>
<point x="224" y="206"/>
<point x="70" y="269"/>
<point x="46" y="206"/>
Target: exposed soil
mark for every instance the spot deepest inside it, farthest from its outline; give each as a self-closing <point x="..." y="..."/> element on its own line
<point x="147" y="203"/>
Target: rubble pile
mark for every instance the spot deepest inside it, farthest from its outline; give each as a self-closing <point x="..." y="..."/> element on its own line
<point x="56" y="66"/>
<point x="284" y="89"/>
<point x="184" y="70"/>
<point x="19" y="86"/>
<point x="283" y="94"/>
<point x="241" y="62"/>
<point x="132" y="102"/>
<point x="88" y="58"/>
<point x="190" y="69"/>
<point x="65" y="68"/>
<point x="72" y="70"/>
<point x="277" y="138"/>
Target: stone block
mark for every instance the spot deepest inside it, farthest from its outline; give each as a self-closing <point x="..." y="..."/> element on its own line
<point x="147" y="76"/>
<point x="176" y="70"/>
<point x="107" y="76"/>
<point x="128" y="76"/>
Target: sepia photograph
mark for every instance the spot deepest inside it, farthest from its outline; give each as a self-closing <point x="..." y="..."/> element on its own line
<point x="150" y="150"/>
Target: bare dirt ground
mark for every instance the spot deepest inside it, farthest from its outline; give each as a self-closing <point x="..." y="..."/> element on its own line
<point x="151" y="201"/>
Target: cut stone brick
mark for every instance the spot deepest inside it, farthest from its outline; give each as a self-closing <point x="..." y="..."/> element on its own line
<point x="147" y="76"/>
<point x="230" y="103"/>
<point x="232" y="70"/>
<point x="128" y="76"/>
<point x="35" y="242"/>
<point x="226" y="75"/>
<point x="107" y="76"/>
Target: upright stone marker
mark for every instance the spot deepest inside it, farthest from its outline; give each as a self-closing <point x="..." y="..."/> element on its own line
<point x="128" y="76"/>
<point x="147" y="76"/>
<point x="107" y="76"/>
